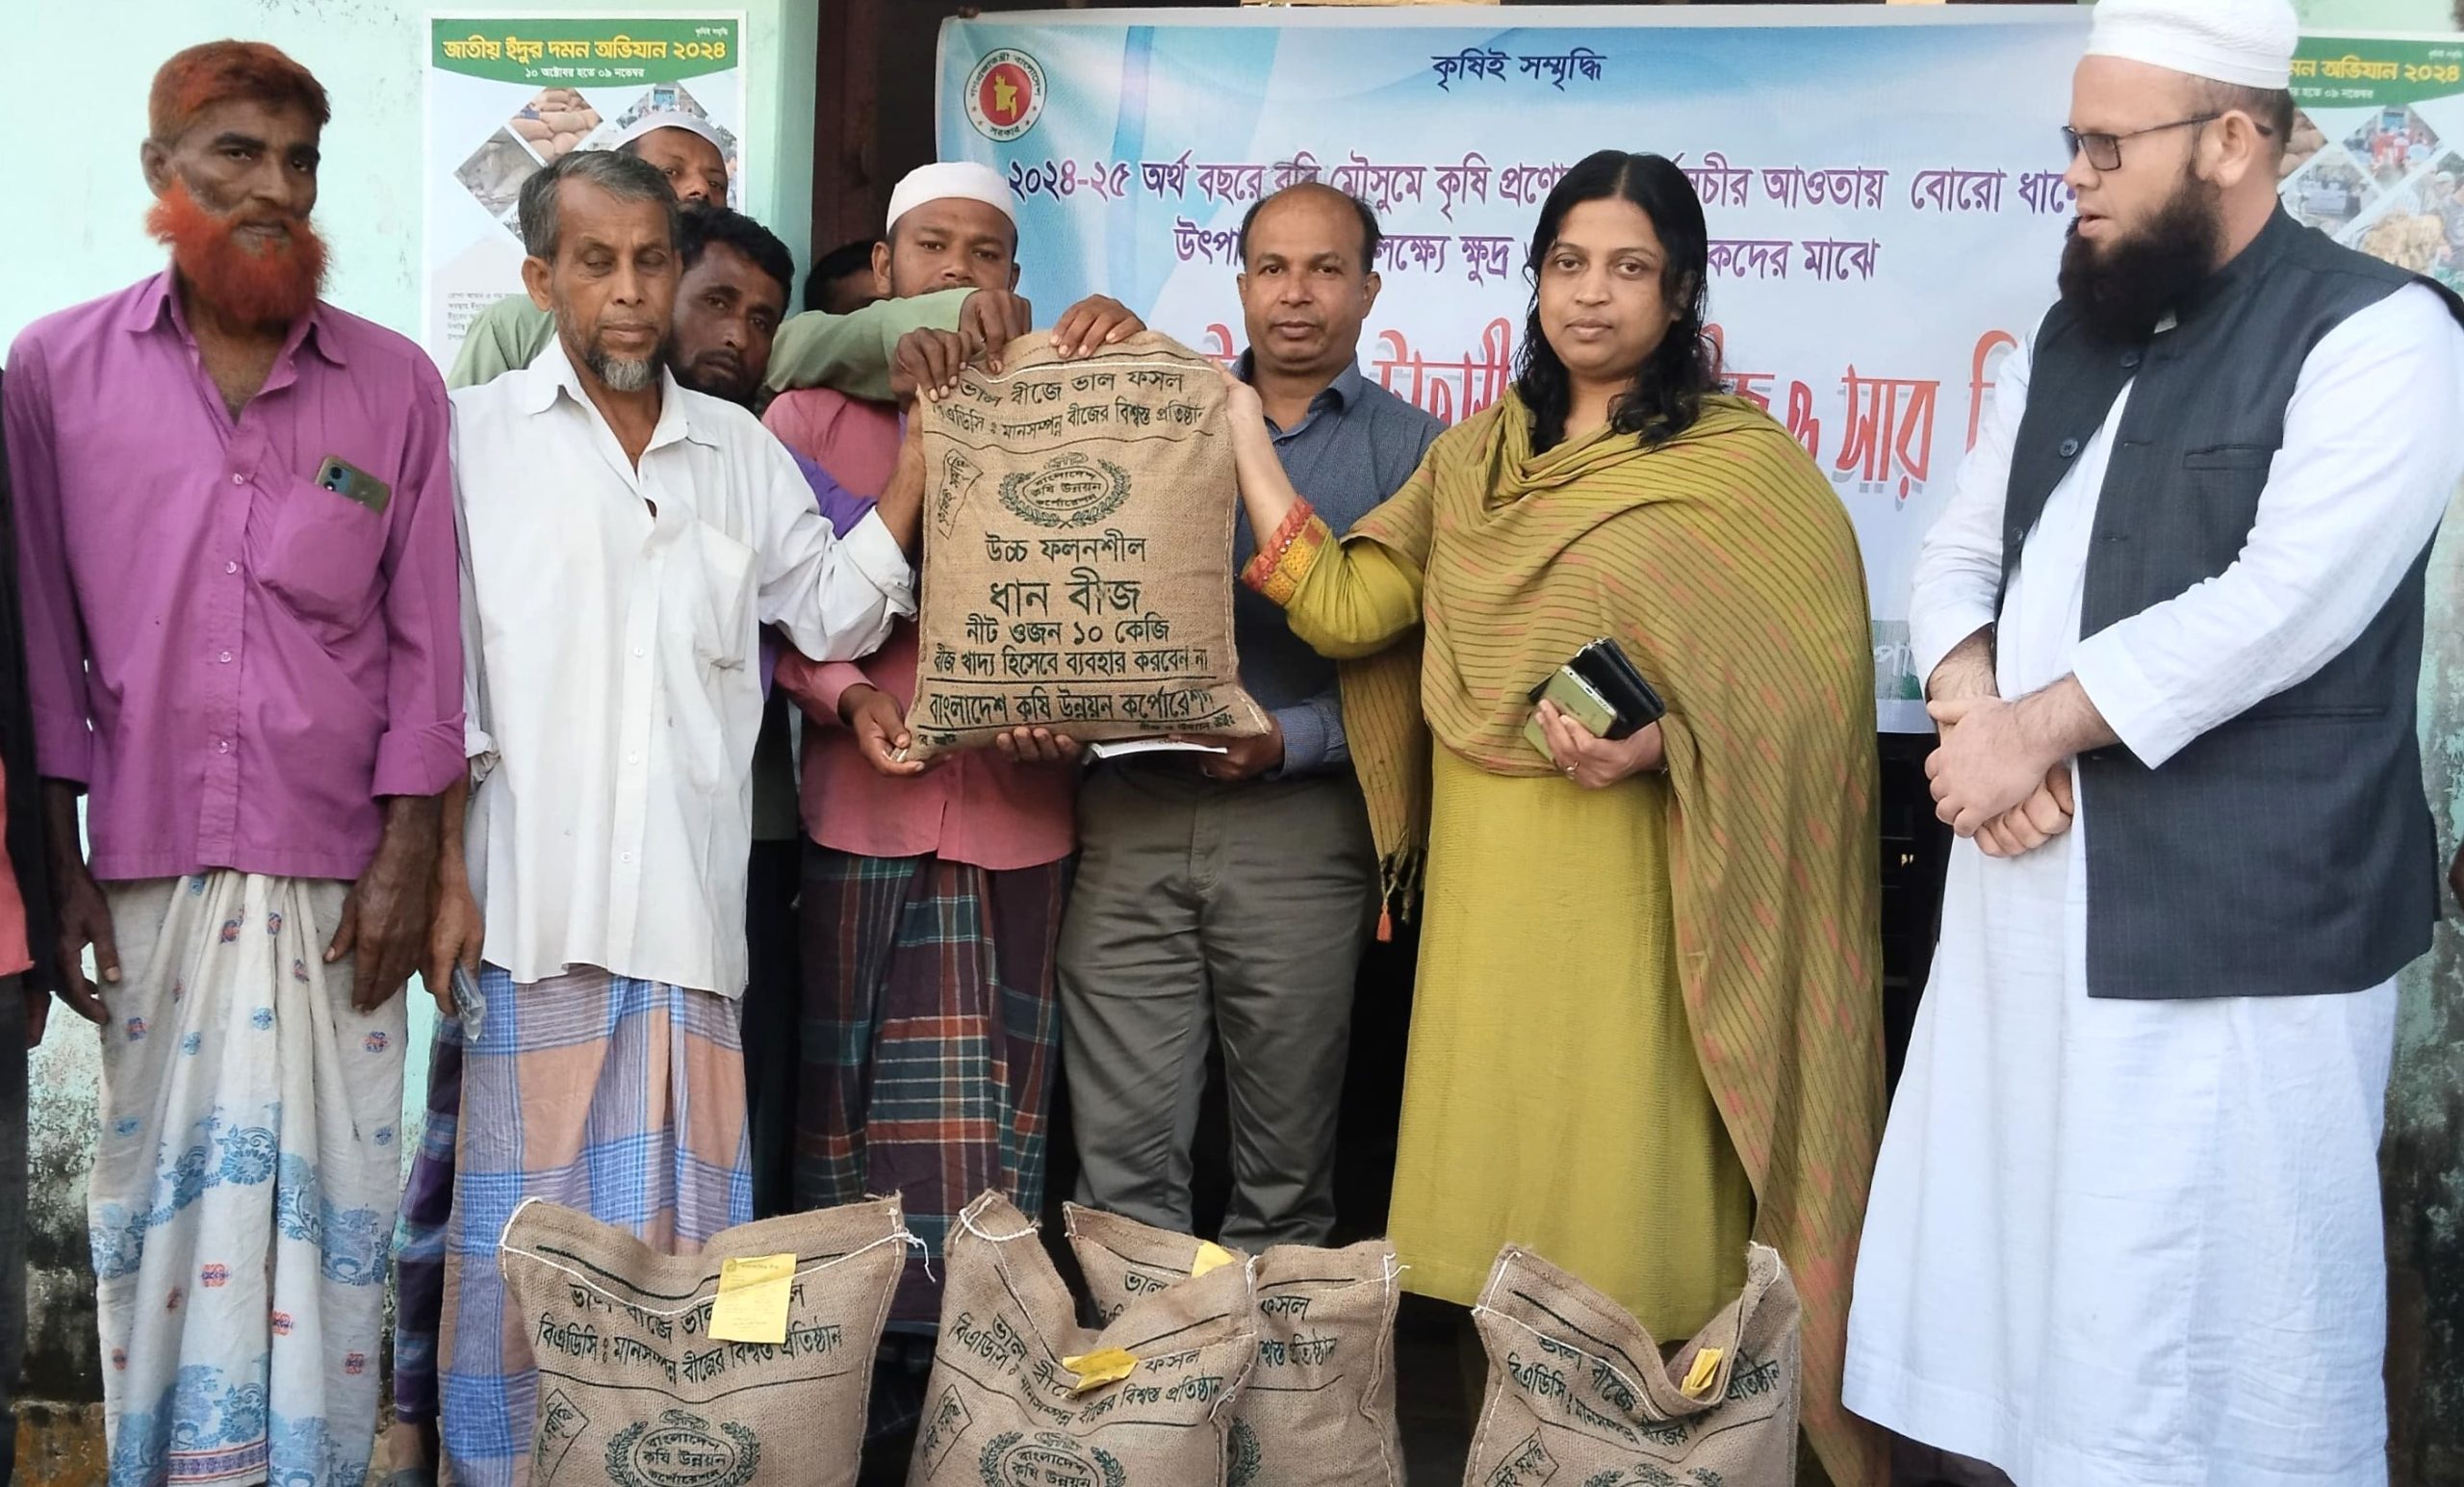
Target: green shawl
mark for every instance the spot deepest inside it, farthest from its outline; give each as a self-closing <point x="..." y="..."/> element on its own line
<point x="1725" y="565"/>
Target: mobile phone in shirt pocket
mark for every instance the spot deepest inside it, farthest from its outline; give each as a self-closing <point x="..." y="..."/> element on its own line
<point x="353" y="484"/>
<point x="322" y="556"/>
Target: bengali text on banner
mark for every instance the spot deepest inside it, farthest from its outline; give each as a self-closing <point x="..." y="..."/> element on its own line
<point x="1884" y="191"/>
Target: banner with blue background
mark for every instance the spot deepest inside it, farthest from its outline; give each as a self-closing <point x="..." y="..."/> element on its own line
<point x="1884" y="188"/>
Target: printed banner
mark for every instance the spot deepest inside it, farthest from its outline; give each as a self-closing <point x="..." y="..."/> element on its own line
<point x="1884" y="187"/>
<point x="2377" y="151"/>
<point x="506" y="96"/>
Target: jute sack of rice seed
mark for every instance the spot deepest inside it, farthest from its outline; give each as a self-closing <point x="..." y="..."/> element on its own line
<point x="1578" y="1392"/>
<point x="1023" y="1397"/>
<point x="1077" y="569"/>
<point x="1320" y="1410"/>
<point x="634" y="1387"/>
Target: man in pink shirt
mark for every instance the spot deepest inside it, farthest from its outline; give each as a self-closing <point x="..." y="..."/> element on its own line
<point x="236" y="535"/>
<point x="931" y="898"/>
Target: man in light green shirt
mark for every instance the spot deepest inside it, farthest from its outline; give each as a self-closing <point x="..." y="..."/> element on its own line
<point x="851" y="352"/>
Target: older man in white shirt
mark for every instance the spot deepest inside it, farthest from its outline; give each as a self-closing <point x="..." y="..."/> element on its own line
<point x="2125" y="1226"/>
<point x="624" y="541"/>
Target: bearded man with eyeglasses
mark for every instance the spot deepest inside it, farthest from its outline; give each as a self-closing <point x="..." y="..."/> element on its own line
<point x="2125" y="1227"/>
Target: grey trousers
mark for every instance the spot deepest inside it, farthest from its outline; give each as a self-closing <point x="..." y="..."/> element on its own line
<point x="1203" y="910"/>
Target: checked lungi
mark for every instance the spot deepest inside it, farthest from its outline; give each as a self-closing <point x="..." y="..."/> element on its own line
<point x="243" y="1186"/>
<point x="930" y="1035"/>
<point x="418" y="1238"/>
<point x="621" y="1098"/>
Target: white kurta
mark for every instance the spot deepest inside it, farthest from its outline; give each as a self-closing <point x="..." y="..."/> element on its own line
<point x="611" y="622"/>
<point x="2138" y="1243"/>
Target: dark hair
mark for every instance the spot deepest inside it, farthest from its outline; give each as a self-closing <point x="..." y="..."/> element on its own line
<point x="1370" y="235"/>
<point x="847" y="257"/>
<point x="622" y="176"/>
<point x="1668" y="390"/>
<point x="706" y="222"/>
<point x="2269" y="108"/>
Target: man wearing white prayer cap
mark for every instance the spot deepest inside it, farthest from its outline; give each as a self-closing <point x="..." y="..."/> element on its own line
<point x="961" y="228"/>
<point x="2125" y="1228"/>
<point x="920" y="1058"/>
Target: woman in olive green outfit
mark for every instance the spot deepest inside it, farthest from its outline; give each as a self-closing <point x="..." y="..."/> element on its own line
<point x="1647" y="1017"/>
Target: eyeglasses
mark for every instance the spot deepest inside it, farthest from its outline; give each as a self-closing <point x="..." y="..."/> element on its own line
<point x="2104" y="151"/>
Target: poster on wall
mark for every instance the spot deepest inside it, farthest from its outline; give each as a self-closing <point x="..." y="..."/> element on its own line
<point x="509" y="94"/>
<point x="2376" y="157"/>
<point x="1884" y="188"/>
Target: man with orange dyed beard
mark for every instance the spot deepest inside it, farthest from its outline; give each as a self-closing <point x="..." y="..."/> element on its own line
<point x="235" y="526"/>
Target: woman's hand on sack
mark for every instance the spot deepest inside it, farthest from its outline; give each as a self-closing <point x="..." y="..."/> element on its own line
<point x="991" y="319"/>
<point x="880" y="727"/>
<point x="1592" y="761"/>
<point x="1248" y="415"/>
<point x="1242" y="400"/>
<point x="1036" y="746"/>
<point x="1266" y="490"/>
<point x="1092" y="323"/>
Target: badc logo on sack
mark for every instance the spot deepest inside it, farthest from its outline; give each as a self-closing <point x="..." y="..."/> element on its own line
<point x="1005" y="94"/>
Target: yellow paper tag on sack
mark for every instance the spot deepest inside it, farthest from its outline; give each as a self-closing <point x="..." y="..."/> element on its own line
<point x="1211" y="1257"/>
<point x="751" y="1305"/>
<point x="1706" y="1367"/>
<point x="1095" y="1369"/>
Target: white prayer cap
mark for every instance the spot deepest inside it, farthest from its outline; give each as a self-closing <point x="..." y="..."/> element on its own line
<point x="2244" y="42"/>
<point x="960" y="179"/>
<point x="690" y="124"/>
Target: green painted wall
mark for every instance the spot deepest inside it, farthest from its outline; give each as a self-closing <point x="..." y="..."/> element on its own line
<point x="80" y="95"/>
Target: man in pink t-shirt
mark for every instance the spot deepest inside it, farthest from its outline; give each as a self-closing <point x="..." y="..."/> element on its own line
<point x="930" y="897"/>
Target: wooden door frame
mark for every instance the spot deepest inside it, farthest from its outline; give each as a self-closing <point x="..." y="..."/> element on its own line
<point x="848" y="197"/>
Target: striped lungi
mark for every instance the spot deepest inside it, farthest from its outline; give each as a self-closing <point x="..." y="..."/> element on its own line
<point x="930" y="1033"/>
<point x="244" y="1178"/>
<point x="418" y="1238"/>
<point x="622" y="1098"/>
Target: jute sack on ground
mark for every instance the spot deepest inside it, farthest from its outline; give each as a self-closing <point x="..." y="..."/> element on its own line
<point x="634" y="1389"/>
<point x="1578" y="1396"/>
<point x="1017" y="1396"/>
<point x="1320" y="1410"/>
<point x="1078" y="551"/>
